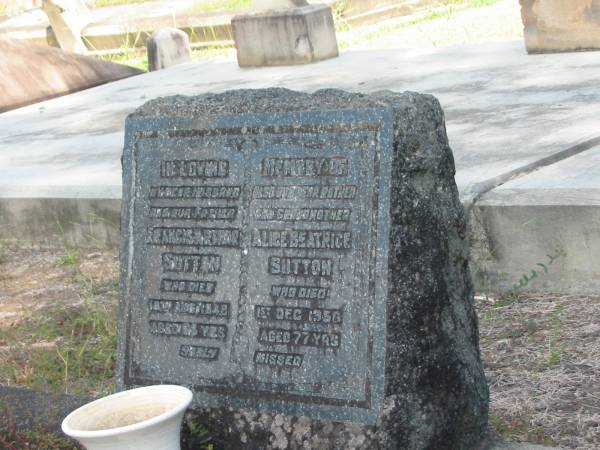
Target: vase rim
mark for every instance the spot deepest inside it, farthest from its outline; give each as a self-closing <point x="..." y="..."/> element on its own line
<point x="181" y="406"/>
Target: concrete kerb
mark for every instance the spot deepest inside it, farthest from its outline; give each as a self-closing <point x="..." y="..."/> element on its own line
<point x="61" y="222"/>
<point x="477" y="190"/>
<point x="540" y="231"/>
<point x="531" y="240"/>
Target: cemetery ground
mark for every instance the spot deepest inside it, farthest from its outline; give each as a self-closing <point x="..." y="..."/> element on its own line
<point x="58" y="332"/>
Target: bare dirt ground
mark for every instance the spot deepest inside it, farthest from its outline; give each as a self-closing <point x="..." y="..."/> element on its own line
<point x="34" y="279"/>
<point x="541" y="352"/>
<point x="58" y="320"/>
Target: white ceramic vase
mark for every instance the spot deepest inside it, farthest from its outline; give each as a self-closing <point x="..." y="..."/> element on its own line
<point x="147" y="418"/>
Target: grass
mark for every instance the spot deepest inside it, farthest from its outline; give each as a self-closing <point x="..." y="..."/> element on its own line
<point x="203" y="7"/>
<point x="132" y="57"/>
<point x="69" y="349"/>
<point x="70" y="258"/>
<point x="447" y="9"/>
<point x="519" y="427"/>
<point x="556" y="346"/>
<point x="542" y="391"/>
<point x="211" y="52"/>
<point x="555" y="352"/>
<point x="77" y="354"/>
<point x="195" y="435"/>
<point x="541" y="356"/>
<point x="131" y="53"/>
<point x="104" y="3"/>
<point x="37" y="438"/>
<point x="200" y="7"/>
<point x="3" y="251"/>
<point x="137" y="58"/>
<point x="69" y="346"/>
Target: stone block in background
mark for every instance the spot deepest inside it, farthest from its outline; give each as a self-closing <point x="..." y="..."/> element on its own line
<point x="285" y="36"/>
<point x="559" y="25"/>
<point x="167" y="47"/>
<point x="30" y="73"/>
<point x="299" y="260"/>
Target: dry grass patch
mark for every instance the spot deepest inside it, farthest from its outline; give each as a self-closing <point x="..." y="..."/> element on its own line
<point x="542" y="361"/>
<point x="58" y="320"/>
<point x="541" y="352"/>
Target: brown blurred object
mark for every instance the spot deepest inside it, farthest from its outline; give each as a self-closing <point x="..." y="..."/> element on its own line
<point x="561" y="26"/>
<point x="31" y="73"/>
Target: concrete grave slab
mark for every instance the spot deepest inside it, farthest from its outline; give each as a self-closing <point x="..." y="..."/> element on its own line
<point x="507" y="113"/>
<point x="504" y="110"/>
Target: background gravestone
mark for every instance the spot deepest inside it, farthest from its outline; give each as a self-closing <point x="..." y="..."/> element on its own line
<point x="299" y="261"/>
<point x="284" y="35"/>
<point x="167" y="47"/>
<point x="559" y="26"/>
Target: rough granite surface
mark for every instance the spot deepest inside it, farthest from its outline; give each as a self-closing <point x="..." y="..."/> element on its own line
<point x="436" y="396"/>
<point x="28" y="410"/>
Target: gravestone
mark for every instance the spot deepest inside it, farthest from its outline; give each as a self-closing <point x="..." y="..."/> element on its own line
<point x="282" y="35"/>
<point x="167" y="47"/>
<point x="560" y="26"/>
<point x="299" y="261"/>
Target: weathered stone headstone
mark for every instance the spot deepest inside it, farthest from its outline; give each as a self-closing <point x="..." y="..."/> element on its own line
<point x="299" y="261"/>
<point x="167" y="47"/>
<point x="284" y="35"/>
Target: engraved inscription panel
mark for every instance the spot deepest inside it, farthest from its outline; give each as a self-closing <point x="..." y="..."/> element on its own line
<point x="259" y="263"/>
